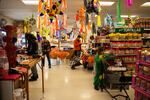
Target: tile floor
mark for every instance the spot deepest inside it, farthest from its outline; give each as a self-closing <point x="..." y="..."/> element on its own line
<point x="62" y="83"/>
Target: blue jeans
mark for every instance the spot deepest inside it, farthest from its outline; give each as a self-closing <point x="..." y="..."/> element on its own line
<point x="48" y="59"/>
<point x="34" y="72"/>
<point x="77" y="53"/>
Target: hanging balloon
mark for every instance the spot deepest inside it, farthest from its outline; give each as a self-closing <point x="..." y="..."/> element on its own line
<point x="119" y="10"/>
<point x="98" y="20"/>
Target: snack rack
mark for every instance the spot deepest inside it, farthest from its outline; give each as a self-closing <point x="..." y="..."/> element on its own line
<point x="141" y="80"/>
<point x="125" y="45"/>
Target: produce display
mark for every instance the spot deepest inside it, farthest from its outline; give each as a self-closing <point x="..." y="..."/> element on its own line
<point x="124" y="36"/>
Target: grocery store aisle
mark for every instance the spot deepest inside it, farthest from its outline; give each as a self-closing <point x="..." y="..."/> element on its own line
<point x="62" y="83"/>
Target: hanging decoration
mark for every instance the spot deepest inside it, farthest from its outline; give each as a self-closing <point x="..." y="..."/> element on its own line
<point x="89" y="26"/>
<point x="108" y="21"/>
<point x="51" y="8"/>
<point x="119" y="10"/>
<point x="129" y="2"/>
<point x="99" y="21"/>
<point x="38" y="22"/>
<point x="93" y="28"/>
<point x="87" y="19"/>
<point x="29" y="24"/>
<point x="64" y="21"/>
<point x="91" y="6"/>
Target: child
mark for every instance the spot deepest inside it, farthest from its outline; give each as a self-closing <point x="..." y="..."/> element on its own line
<point x="99" y="68"/>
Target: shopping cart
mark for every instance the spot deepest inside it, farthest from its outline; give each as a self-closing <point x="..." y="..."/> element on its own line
<point x="122" y="81"/>
<point x="74" y="62"/>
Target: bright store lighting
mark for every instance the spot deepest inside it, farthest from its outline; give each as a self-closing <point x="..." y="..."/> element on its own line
<point x="126" y="16"/>
<point x="106" y="3"/>
<point x="30" y="2"/>
<point x="146" y="4"/>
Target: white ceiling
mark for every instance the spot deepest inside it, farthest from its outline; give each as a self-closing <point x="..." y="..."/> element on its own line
<point x="16" y="10"/>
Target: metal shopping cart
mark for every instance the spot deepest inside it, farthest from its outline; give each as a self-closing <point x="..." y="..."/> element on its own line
<point x="114" y="74"/>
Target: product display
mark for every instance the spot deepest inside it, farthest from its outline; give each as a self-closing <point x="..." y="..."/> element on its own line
<point x="141" y="80"/>
<point x="73" y="48"/>
<point x="146" y="40"/>
<point x="125" y="45"/>
<point x="142" y="22"/>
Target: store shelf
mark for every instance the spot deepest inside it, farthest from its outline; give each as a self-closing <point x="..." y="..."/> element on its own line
<point x="143" y="77"/>
<point x="145" y="46"/>
<point x="141" y="91"/>
<point x="130" y="62"/>
<point x="126" y="55"/>
<point x="138" y="40"/>
<point x="145" y="63"/>
<point x="126" y="47"/>
<point x="145" y="38"/>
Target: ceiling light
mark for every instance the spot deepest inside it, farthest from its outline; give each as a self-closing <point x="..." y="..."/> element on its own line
<point x="146" y="4"/>
<point x="126" y="16"/>
<point x="106" y="3"/>
<point x="30" y="2"/>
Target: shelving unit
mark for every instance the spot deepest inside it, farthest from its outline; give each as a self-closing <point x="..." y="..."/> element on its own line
<point x="126" y="49"/>
<point x="9" y="83"/>
<point x="141" y="81"/>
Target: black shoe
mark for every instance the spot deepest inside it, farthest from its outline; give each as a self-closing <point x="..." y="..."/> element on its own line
<point x="72" y="67"/>
<point x="49" y="66"/>
<point x="96" y="88"/>
<point x="33" y="79"/>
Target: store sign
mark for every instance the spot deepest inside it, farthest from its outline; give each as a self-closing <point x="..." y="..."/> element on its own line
<point x="126" y="30"/>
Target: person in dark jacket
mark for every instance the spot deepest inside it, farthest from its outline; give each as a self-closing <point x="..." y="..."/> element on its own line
<point x="46" y="48"/>
<point x="32" y="50"/>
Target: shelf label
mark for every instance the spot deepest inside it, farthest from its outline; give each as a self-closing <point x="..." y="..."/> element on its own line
<point x="125" y="30"/>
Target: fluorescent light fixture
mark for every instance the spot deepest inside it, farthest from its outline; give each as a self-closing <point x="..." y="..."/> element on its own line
<point x="146" y="4"/>
<point x="126" y="16"/>
<point x="30" y="2"/>
<point x="106" y="3"/>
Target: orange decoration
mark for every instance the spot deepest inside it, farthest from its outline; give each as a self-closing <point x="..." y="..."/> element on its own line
<point x="82" y="25"/>
<point x="82" y="14"/>
<point x="89" y="26"/>
<point x="38" y="22"/>
<point x="45" y="19"/>
<point x="65" y="4"/>
<point x="57" y="27"/>
<point x="40" y="6"/>
<point x="50" y="3"/>
<point x="64" y="19"/>
<point x="91" y="59"/>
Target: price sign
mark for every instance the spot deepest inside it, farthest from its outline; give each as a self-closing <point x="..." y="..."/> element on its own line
<point x="126" y="30"/>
